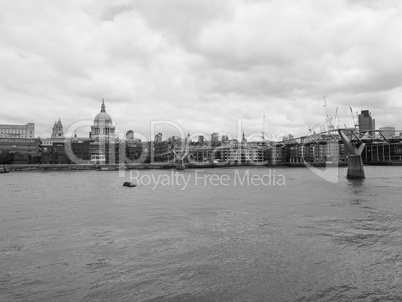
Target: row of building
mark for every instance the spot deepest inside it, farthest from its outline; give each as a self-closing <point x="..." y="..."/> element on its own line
<point x="103" y="147"/>
<point x="18" y="145"/>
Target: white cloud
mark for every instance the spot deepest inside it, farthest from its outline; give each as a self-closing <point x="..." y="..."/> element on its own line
<point x="200" y="63"/>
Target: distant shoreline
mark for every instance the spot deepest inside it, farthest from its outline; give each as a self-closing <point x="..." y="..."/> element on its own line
<point x="159" y="166"/>
<point x="115" y="167"/>
<point x="168" y="166"/>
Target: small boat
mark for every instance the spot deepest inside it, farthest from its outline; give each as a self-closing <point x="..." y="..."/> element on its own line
<point x="106" y="169"/>
<point x="129" y="184"/>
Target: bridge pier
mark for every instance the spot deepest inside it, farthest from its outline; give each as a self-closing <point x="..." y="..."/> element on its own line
<point x="355" y="167"/>
<point x="355" y="161"/>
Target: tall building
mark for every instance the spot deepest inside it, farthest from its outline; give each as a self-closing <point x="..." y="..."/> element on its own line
<point x="18" y="143"/>
<point x="225" y="139"/>
<point x="158" y="138"/>
<point x="130" y="135"/>
<point x="103" y="128"/>
<point x="215" y="139"/>
<point x="103" y="148"/>
<point x="58" y="130"/>
<point x="17" y="131"/>
<point x="366" y="122"/>
<point x="244" y="140"/>
<point x="57" y="135"/>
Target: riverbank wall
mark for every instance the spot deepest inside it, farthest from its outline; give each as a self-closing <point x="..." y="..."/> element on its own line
<point x="142" y="166"/>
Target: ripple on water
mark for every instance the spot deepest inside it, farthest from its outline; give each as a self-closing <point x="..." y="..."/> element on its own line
<point x="81" y="237"/>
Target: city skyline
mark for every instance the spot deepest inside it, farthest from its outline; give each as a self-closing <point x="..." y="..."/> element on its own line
<point x="364" y="122"/>
<point x="201" y="65"/>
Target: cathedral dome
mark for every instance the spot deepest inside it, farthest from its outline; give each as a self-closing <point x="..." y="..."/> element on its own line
<point x="102" y="127"/>
<point x="103" y="117"/>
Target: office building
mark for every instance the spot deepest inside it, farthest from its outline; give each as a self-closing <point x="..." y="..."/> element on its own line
<point x="17" y="131"/>
<point x="366" y="122"/>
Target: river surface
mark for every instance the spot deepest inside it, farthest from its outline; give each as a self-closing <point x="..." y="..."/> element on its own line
<point x="81" y="236"/>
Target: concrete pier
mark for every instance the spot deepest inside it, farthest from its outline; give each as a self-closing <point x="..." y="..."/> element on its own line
<point x="355" y="167"/>
<point x="355" y="161"/>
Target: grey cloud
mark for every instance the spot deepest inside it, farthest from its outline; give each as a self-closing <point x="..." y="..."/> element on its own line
<point x="202" y="63"/>
<point x="110" y="12"/>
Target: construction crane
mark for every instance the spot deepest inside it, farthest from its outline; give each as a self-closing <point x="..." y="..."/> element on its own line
<point x="263" y="123"/>
<point x="263" y="129"/>
<point x="357" y="114"/>
<point x="329" y="119"/>
<point x="311" y="129"/>
<point x="336" y="116"/>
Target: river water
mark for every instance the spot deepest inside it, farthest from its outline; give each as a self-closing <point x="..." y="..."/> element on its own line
<point x="81" y="236"/>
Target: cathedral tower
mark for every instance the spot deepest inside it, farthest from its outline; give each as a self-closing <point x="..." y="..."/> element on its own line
<point x="58" y="130"/>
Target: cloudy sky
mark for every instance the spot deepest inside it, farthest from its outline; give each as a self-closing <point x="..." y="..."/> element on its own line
<point x="203" y="64"/>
